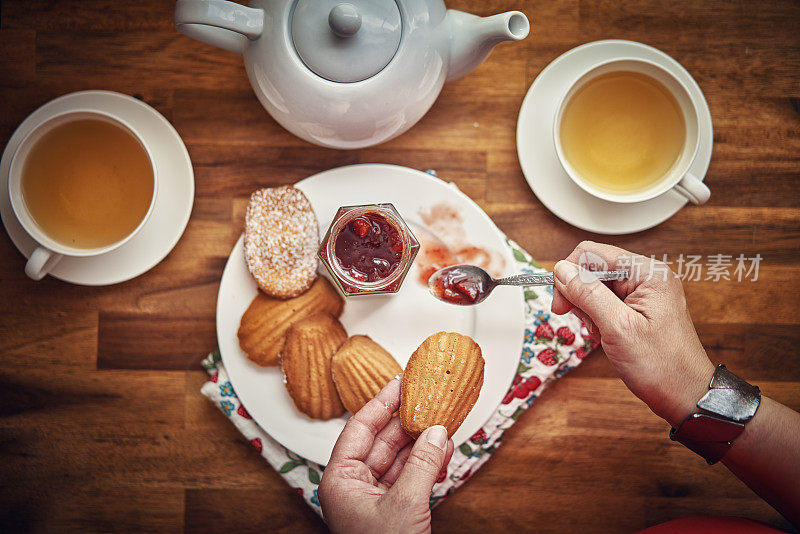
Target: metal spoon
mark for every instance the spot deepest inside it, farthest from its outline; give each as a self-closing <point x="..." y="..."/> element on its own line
<point x="468" y="284"/>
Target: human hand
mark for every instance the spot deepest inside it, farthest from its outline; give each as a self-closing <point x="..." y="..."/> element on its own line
<point x="377" y="480"/>
<point x="643" y="324"/>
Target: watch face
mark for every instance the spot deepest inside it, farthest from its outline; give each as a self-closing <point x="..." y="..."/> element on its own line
<point x="731" y="402"/>
<point x="730" y="397"/>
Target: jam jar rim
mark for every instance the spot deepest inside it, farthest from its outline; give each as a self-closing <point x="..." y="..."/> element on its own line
<point x="344" y="214"/>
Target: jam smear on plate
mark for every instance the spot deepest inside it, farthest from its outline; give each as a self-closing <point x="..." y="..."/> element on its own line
<point x="369" y="248"/>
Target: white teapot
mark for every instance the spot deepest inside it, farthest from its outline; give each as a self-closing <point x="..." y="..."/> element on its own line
<point x="348" y="74"/>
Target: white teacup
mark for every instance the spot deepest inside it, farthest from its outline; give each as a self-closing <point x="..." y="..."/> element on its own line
<point x="678" y="177"/>
<point x="49" y="252"/>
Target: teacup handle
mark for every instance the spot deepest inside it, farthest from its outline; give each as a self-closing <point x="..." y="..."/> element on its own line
<point x="219" y="23"/>
<point x="693" y="188"/>
<point x="41" y="262"/>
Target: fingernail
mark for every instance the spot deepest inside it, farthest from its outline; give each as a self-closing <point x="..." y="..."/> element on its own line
<point x="565" y="271"/>
<point x="437" y="436"/>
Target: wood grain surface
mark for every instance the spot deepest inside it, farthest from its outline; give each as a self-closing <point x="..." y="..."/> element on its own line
<point x="102" y="426"/>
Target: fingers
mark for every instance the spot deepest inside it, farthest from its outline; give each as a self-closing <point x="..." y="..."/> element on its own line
<point x="587" y="321"/>
<point x="591" y="296"/>
<point x="449" y="454"/>
<point x="388" y="442"/>
<point x="560" y="305"/>
<point x="592" y="301"/>
<point x="425" y="461"/>
<point x="391" y="474"/>
<point x="599" y="256"/>
<point x="356" y="440"/>
<point x="595" y="257"/>
<point x="390" y="477"/>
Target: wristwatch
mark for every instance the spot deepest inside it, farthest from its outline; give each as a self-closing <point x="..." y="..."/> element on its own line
<point x="729" y="404"/>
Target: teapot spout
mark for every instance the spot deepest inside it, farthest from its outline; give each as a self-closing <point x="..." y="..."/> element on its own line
<point x="472" y="38"/>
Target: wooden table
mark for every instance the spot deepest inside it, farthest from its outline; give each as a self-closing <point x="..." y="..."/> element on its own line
<point x="103" y="426"/>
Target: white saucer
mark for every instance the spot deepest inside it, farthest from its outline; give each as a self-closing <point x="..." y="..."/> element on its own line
<point x="174" y="197"/>
<point x="398" y="322"/>
<point x="543" y="171"/>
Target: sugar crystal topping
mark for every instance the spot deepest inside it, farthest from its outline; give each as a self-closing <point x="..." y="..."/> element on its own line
<point x="281" y="240"/>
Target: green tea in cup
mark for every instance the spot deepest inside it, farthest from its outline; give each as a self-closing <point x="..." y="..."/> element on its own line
<point x="622" y="131"/>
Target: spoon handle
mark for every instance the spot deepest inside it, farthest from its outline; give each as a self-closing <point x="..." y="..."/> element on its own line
<point x="546" y="279"/>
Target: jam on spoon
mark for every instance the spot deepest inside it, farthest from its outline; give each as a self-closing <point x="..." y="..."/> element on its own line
<point x="457" y="285"/>
<point x="469" y="284"/>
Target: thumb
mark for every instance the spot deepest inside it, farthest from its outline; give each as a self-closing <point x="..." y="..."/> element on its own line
<point x="595" y="299"/>
<point x="428" y="457"/>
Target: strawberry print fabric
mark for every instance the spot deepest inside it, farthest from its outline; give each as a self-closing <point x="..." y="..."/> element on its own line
<point x="552" y="345"/>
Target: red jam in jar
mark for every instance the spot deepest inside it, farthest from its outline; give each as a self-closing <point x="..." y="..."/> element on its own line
<point x="368" y="249"/>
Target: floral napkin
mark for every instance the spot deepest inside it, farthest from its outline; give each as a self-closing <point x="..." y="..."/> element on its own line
<point x="552" y="345"/>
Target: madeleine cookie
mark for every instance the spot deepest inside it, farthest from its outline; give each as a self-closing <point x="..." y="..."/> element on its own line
<point x="441" y="383"/>
<point x="360" y="369"/>
<point x="264" y="324"/>
<point x="281" y="238"/>
<point x="306" y="364"/>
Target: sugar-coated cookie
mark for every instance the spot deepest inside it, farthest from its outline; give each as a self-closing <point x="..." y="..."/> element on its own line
<point x="281" y="238"/>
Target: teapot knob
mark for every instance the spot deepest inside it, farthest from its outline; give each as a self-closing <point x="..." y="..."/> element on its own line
<point x="344" y="20"/>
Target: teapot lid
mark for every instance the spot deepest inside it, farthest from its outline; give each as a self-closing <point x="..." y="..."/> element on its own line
<point x="346" y="41"/>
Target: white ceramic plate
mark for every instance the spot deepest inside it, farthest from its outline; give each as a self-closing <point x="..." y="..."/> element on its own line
<point x="537" y="153"/>
<point x="398" y="322"/>
<point x="174" y="197"/>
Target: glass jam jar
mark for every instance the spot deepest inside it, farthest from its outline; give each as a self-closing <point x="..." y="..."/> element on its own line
<point x="368" y="249"/>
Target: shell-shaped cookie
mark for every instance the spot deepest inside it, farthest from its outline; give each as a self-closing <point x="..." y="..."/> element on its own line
<point x="306" y="364"/>
<point x="360" y="369"/>
<point x="441" y="383"/>
<point x="264" y="324"/>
